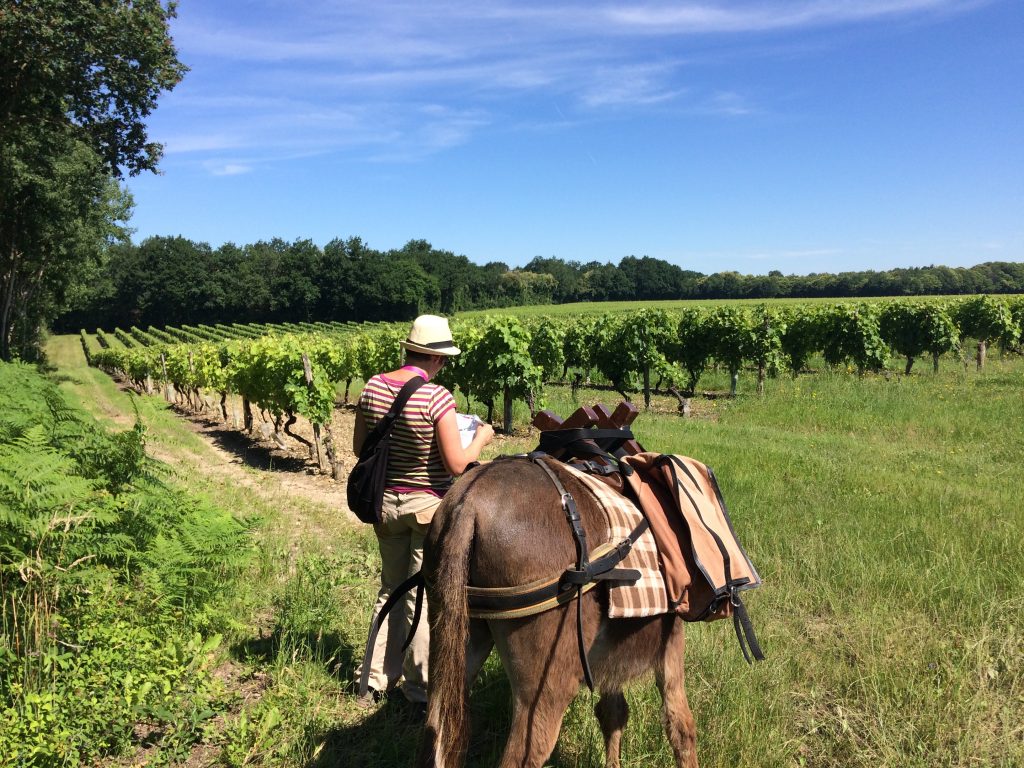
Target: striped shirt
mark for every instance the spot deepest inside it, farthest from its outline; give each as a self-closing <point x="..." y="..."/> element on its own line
<point x="414" y="463"/>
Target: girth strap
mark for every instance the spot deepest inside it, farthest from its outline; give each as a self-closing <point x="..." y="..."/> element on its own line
<point x="744" y="629"/>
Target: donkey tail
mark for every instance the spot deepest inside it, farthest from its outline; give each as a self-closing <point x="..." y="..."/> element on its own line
<point x="446" y="568"/>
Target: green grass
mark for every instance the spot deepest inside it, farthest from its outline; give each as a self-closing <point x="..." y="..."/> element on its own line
<point x="883" y="513"/>
<point x="884" y="517"/>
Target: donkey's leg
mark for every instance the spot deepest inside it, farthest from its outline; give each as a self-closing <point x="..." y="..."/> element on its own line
<point x="612" y="713"/>
<point x="541" y="659"/>
<point x="676" y="714"/>
<point x="478" y="648"/>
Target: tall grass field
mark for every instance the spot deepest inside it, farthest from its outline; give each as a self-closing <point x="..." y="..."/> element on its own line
<point x="884" y="515"/>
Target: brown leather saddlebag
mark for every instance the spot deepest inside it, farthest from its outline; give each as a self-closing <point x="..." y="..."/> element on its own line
<point x="705" y="566"/>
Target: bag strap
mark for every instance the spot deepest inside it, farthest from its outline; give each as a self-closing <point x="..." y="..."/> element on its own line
<point x="387" y="422"/>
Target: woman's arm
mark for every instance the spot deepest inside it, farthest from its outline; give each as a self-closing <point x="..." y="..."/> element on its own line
<point x="456" y="457"/>
<point x="359" y="434"/>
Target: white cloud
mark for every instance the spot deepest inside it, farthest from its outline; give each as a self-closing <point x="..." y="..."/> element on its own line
<point x="727" y="103"/>
<point x="228" y="169"/>
<point x="630" y="85"/>
<point x="212" y="142"/>
<point x="274" y="79"/>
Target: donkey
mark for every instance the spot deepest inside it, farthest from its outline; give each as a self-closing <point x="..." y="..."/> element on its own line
<point x="503" y="525"/>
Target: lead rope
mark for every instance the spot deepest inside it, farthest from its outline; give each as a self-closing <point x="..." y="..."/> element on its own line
<point x="413" y="582"/>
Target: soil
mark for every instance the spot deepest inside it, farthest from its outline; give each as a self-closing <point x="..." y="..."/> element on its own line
<point x="286" y="468"/>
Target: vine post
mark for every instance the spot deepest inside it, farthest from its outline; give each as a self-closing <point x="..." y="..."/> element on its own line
<point x="163" y="373"/>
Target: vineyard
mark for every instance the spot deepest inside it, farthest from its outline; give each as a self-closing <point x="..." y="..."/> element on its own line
<point x="200" y="610"/>
<point x="289" y="371"/>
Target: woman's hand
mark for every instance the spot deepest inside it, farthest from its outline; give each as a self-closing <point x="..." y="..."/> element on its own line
<point x="454" y="456"/>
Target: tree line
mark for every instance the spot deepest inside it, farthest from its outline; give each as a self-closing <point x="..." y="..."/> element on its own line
<point x="174" y="280"/>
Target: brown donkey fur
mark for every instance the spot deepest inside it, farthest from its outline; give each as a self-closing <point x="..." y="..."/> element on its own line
<point x="503" y="525"/>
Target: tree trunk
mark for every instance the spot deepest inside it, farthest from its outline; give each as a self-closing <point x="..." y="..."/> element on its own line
<point x="507" y="415"/>
<point x="332" y="457"/>
<point x="7" y="307"/>
<point x="348" y="386"/>
<point x="647" y="387"/>
<point x="910" y="364"/>
<point x="276" y="434"/>
<point x="577" y="382"/>
<point x="247" y="415"/>
<point x="982" y="350"/>
<point x="307" y="370"/>
<point x="935" y="362"/>
<point x="292" y="418"/>
<point x="490" y="411"/>
<point x="684" y="402"/>
<point x="224" y="405"/>
<point x="733" y="381"/>
<point x="760" y="378"/>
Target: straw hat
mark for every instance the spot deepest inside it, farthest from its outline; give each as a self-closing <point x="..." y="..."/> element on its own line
<point x="430" y="335"/>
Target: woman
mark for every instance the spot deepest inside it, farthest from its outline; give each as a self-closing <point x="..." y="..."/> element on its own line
<point x="426" y="451"/>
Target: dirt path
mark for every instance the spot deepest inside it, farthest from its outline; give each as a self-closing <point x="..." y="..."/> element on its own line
<point x="232" y="453"/>
<point x="281" y="476"/>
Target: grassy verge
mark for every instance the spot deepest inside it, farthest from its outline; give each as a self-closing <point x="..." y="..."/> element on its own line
<point x="883" y="514"/>
<point x="112" y="588"/>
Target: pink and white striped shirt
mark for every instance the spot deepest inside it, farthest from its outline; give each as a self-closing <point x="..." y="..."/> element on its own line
<point x="414" y="463"/>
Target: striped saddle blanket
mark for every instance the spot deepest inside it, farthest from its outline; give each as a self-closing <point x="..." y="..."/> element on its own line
<point x="648" y="596"/>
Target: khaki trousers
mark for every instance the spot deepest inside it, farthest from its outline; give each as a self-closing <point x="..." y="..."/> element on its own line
<point x="400" y="534"/>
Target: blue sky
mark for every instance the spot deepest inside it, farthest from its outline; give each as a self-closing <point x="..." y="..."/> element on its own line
<point x="804" y="136"/>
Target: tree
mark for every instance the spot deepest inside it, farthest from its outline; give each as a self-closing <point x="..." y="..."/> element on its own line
<point x="499" y="363"/>
<point x="730" y="329"/>
<point x="802" y="338"/>
<point x="1017" y="318"/>
<point x="986" y="319"/>
<point x="546" y="348"/>
<point x="167" y="282"/>
<point x="913" y="329"/>
<point x="294" y="292"/>
<point x="764" y="342"/>
<point x="337" y="278"/>
<point x="693" y="345"/>
<point x="850" y="332"/>
<point x="77" y="80"/>
<point x="391" y="288"/>
<point x="604" y="282"/>
<point x="452" y="274"/>
<point x="631" y="346"/>
<point x="567" y="276"/>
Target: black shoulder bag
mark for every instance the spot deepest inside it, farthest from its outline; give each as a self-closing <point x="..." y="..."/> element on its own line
<point x="366" y="481"/>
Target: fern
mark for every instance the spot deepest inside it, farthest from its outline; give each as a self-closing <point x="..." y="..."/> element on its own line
<point x="93" y="534"/>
